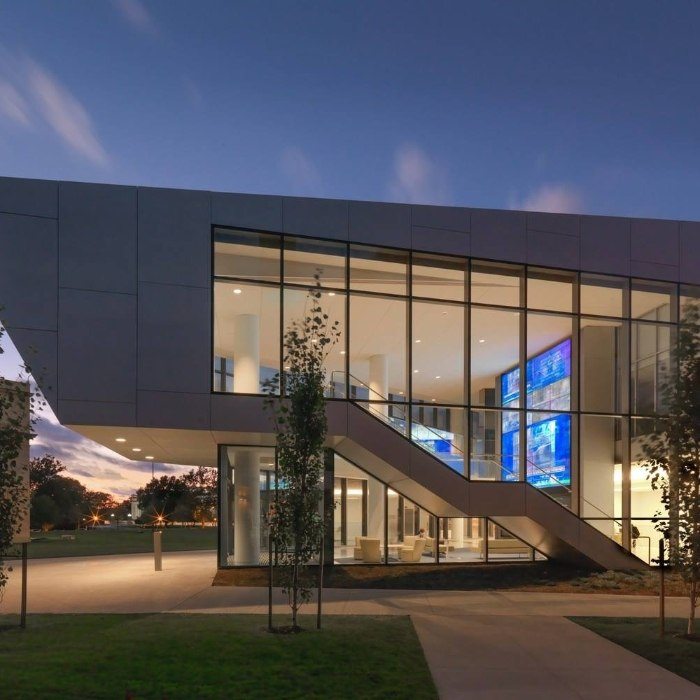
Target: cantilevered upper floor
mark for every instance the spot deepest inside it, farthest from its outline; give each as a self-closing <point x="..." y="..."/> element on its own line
<point x="112" y="285"/>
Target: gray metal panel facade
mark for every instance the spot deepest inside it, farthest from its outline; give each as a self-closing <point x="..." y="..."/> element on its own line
<point x="111" y="285"/>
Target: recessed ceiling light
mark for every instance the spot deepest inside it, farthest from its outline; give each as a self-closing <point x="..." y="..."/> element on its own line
<point x="415" y="371"/>
<point x="444" y="313"/>
<point x="149" y="456"/>
<point x="482" y="340"/>
<point x="342" y="352"/>
<point x="437" y="377"/>
<point x="433" y="400"/>
<point x="119" y="439"/>
<point x="136" y="449"/>
<point x="287" y="369"/>
<point x="331" y="294"/>
<point x="237" y="291"/>
<point x="418" y="341"/>
<point x="401" y="393"/>
<point x="314" y="340"/>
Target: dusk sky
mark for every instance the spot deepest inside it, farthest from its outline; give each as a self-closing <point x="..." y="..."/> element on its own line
<point x="580" y="106"/>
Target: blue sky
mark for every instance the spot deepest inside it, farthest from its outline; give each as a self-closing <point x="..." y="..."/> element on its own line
<point x="585" y="106"/>
<point x="563" y="106"/>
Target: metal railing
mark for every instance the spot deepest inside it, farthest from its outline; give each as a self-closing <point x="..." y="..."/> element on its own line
<point x="398" y="417"/>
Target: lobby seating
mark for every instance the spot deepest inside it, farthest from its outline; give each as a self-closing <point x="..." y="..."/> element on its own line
<point x="505" y="545"/>
<point x="370" y="549"/>
<point x="411" y="553"/>
<point x="408" y="541"/>
<point x="361" y="554"/>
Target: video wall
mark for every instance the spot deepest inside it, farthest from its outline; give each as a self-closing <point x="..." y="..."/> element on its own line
<point x="548" y="388"/>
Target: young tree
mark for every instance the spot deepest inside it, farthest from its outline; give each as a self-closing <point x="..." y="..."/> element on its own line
<point x="672" y="450"/>
<point x="299" y="416"/>
<point x="18" y="406"/>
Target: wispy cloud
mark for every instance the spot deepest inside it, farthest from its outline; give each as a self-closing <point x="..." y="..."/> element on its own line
<point x="13" y="105"/>
<point x="65" y="114"/>
<point x="32" y="97"/>
<point x="554" y="198"/>
<point x="417" y="178"/>
<point x="136" y="14"/>
<point x="302" y="174"/>
<point x="93" y="464"/>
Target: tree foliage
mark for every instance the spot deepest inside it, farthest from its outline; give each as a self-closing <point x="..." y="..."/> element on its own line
<point x="672" y="450"/>
<point x="60" y="501"/>
<point x="18" y="406"/>
<point x="299" y="417"/>
<point x="43" y="469"/>
<point x="189" y="498"/>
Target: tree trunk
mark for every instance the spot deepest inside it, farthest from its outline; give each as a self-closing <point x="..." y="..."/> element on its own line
<point x="295" y="589"/>
<point x="693" y="601"/>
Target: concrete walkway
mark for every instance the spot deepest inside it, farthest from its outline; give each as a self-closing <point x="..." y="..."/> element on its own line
<point x="479" y="645"/>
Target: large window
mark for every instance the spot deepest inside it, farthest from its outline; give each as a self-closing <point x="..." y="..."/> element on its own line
<point x="501" y="371"/>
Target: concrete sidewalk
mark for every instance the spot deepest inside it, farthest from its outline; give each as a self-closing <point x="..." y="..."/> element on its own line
<point x="482" y="645"/>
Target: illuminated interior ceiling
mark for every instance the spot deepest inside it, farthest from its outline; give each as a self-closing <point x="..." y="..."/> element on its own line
<point x="379" y="324"/>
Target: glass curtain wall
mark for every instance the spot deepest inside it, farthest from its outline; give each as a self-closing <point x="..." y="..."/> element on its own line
<point x="438" y="346"/>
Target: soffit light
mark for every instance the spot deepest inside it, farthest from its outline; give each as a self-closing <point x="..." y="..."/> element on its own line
<point x="136" y="449"/>
<point x="418" y="341"/>
<point x="149" y="456"/>
<point x="437" y="377"/>
<point x="119" y="439"/>
<point x="237" y="291"/>
<point x="331" y="294"/>
<point x="482" y="340"/>
<point x="415" y="371"/>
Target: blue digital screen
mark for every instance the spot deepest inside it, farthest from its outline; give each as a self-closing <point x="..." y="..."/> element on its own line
<point x="549" y="451"/>
<point x="549" y="434"/>
<point x="551" y="366"/>
<point x="510" y="387"/>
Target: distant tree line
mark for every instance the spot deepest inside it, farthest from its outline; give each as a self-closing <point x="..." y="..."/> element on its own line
<point x="190" y="498"/>
<point x="58" y="501"/>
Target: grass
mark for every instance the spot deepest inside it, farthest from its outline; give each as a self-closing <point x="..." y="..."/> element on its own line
<point x="641" y="636"/>
<point x="210" y="656"/>
<point x="123" y="540"/>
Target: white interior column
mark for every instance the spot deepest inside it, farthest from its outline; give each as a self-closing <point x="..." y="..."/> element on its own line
<point x="375" y="509"/>
<point x="246" y="354"/>
<point x="246" y="484"/>
<point x="456" y="529"/>
<point x="379" y="382"/>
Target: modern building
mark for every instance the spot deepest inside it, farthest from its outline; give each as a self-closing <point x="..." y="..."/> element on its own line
<point x="496" y="374"/>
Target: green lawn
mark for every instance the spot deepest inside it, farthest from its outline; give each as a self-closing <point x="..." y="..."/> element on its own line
<point x="123" y="540"/>
<point x="210" y="656"/>
<point x="641" y="635"/>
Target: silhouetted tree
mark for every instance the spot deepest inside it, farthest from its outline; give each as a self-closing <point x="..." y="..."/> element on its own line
<point x="201" y="485"/>
<point x="42" y="469"/>
<point x="160" y="498"/>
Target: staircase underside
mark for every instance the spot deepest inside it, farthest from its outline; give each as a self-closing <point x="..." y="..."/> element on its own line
<point x="520" y="508"/>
